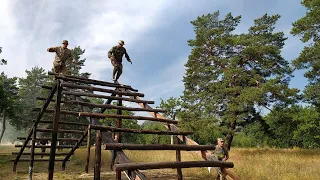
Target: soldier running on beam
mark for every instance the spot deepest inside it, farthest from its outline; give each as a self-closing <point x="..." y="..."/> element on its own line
<point x="115" y="54"/>
<point x="63" y="54"/>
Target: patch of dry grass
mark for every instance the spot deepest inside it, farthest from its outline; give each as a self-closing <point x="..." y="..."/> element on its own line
<point x="253" y="163"/>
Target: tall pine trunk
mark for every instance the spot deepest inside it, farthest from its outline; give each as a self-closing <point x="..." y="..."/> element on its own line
<point x="229" y="137"/>
<point x="3" y="124"/>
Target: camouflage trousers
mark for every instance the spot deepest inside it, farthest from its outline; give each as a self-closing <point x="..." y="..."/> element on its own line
<point x="218" y="169"/>
<point x="117" y="69"/>
<point x="59" y="67"/>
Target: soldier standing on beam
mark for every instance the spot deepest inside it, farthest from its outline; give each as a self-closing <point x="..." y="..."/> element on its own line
<point x="115" y="54"/>
<point x="63" y="54"/>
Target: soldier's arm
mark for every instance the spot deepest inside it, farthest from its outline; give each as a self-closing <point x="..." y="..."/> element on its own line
<point x="227" y="154"/>
<point x="204" y="155"/>
<point x="127" y="56"/>
<point x="110" y="52"/>
<point x="52" y="49"/>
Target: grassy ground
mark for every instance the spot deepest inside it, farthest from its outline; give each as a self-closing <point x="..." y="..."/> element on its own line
<point x="260" y="164"/>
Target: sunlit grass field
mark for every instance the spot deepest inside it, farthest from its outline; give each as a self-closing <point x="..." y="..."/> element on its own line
<point x="253" y="163"/>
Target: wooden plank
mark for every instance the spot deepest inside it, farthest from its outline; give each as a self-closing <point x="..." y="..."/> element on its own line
<point x="34" y="134"/>
<point x="100" y="115"/>
<point x="91" y="88"/>
<point x="171" y="165"/>
<point x="26" y="160"/>
<point x="48" y="139"/>
<point x="61" y="111"/>
<point x="92" y="80"/>
<point x="178" y="159"/>
<point x="46" y="87"/>
<point x="138" y="131"/>
<point x="106" y="97"/>
<point x="145" y="147"/>
<point x="97" y="159"/>
<point x="108" y="106"/>
<point x="44" y="99"/>
<point x="88" y="150"/>
<point x="45" y="105"/>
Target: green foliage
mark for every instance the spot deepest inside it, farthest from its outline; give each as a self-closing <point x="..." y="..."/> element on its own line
<point x="172" y="106"/>
<point x="153" y="138"/>
<point x="2" y="62"/>
<point x="308" y="28"/>
<point x="74" y="68"/>
<point x="229" y="75"/>
<point x="8" y="95"/>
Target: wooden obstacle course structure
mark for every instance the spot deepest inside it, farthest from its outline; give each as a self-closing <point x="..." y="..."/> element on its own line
<point x="65" y="86"/>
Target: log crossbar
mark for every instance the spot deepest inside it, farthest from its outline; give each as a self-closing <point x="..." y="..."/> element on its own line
<point x="91" y="88"/>
<point x="137" y="131"/>
<point x="58" y="139"/>
<point x="166" y="165"/>
<point x="40" y="153"/>
<point x="120" y="146"/>
<point x="100" y="115"/>
<point x="62" y="131"/>
<point x="91" y="81"/>
<point x="65" y="122"/>
<point x="108" y="106"/>
<point x="46" y="146"/>
<point x="105" y="97"/>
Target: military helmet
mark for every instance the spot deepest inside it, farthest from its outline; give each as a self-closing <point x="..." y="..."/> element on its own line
<point x="65" y="42"/>
<point x="121" y="42"/>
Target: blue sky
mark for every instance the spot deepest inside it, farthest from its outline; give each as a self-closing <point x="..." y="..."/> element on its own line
<point x="155" y="34"/>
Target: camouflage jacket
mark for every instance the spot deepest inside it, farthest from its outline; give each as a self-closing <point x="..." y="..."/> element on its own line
<point x="62" y="54"/>
<point x="117" y="53"/>
<point x="220" y="153"/>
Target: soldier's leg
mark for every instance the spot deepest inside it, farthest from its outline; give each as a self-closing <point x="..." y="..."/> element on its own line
<point x="56" y="67"/>
<point x="63" y="69"/>
<point x="115" y="70"/>
<point x="119" y="71"/>
<point x="218" y="169"/>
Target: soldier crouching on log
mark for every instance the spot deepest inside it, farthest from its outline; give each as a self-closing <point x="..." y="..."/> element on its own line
<point x="219" y="154"/>
<point x="115" y="54"/>
<point x="63" y="54"/>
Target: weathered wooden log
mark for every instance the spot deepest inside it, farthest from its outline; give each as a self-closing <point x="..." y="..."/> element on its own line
<point x="26" y="160"/>
<point x="40" y="153"/>
<point x="46" y="87"/>
<point x="91" y="80"/>
<point x="46" y="146"/>
<point x="167" y="165"/>
<point x="62" y="131"/>
<point x="44" y="99"/>
<point x="102" y="90"/>
<point x="106" y="97"/>
<point x="95" y="82"/>
<point x="61" y="111"/>
<point x="48" y="139"/>
<point x="97" y="159"/>
<point x="108" y="106"/>
<point x="138" y="131"/>
<point x="120" y="146"/>
<point x="100" y="115"/>
<point x="65" y="122"/>
<point x="88" y="150"/>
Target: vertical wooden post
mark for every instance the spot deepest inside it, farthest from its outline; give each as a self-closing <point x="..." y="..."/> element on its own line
<point x="55" y="131"/>
<point x="97" y="159"/>
<point x="119" y="125"/>
<point x="34" y="133"/>
<point x="178" y="159"/>
<point x="88" y="147"/>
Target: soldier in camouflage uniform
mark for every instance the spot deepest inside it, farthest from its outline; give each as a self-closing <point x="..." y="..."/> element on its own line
<point x="219" y="154"/>
<point x="115" y="54"/>
<point x="63" y="54"/>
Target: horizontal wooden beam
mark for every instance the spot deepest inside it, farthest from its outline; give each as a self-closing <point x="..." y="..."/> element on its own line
<point x="49" y="139"/>
<point x="65" y="122"/>
<point x="61" y="111"/>
<point x="46" y="146"/>
<point x="46" y="87"/>
<point x="40" y="153"/>
<point x="27" y="160"/>
<point x="102" y="89"/>
<point x="92" y="81"/>
<point x="106" y="97"/>
<point x="61" y="131"/>
<point x="167" y="165"/>
<point x="120" y="146"/>
<point x="100" y="115"/>
<point x="44" y="99"/>
<point x="137" y="131"/>
<point x="95" y="82"/>
<point x="108" y="106"/>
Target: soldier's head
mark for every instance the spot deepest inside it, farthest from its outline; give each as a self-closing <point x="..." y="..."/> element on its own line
<point x="220" y="142"/>
<point x="120" y="43"/>
<point x="65" y="43"/>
